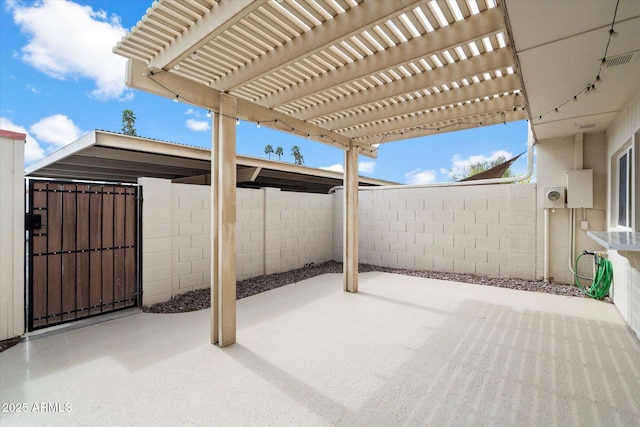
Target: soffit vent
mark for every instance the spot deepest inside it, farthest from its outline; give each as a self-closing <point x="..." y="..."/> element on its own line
<point x="587" y="126"/>
<point x="625" y="58"/>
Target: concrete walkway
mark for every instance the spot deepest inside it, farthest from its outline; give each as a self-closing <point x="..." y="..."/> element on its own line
<point x="403" y="351"/>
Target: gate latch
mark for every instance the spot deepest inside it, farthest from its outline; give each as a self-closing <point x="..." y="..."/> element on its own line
<point x="33" y="221"/>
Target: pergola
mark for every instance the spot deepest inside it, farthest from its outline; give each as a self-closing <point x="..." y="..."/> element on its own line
<point x="349" y="73"/>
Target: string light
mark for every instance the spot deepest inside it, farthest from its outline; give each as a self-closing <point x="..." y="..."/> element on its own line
<point x="591" y="87"/>
<point x="322" y="136"/>
<point x="237" y="119"/>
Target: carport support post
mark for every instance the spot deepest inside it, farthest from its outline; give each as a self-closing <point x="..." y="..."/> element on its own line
<point x="350" y="247"/>
<point x="223" y="223"/>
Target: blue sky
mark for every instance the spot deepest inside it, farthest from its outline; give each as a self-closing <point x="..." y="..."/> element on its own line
<point x="59" y="80"/>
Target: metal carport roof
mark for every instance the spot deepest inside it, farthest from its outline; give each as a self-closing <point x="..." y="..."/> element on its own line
<point x="109" y="156"/>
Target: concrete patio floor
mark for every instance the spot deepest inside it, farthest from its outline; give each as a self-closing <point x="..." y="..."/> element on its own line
<point x="403" y="351"/>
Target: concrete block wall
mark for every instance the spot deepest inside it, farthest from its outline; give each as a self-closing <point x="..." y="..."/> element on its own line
<point x="157" y="240"/>
<point x="298" y="229"/>
<point x="12" y="231"/>
<point x="275" y="232"/>
<point x="250" y="230"/>
<point x="487" y="230"/>
<point x="190" y="237"/>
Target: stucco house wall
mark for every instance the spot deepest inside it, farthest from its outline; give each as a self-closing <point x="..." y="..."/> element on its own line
<point x="597" y="152"/>
<point x="554" y="158"/>
<point x="12" y="232"/>
<point x="624" y="133"/>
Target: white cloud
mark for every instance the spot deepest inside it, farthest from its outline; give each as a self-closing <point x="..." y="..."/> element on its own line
<point x="34" y="89"/>
<point x="58" y="130"/>
<point x="335" y="168"/>
<point x="32" y="149"/>
<point x="363" y="167"/>
<point x="197" y="125"/>
<point x="418" y="176"/>
<point x="366" y="167"/>
<point x="71" y="41"/>
<point x="459" y="164"/>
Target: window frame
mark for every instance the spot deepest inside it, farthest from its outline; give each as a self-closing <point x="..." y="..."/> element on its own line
<point x="629" y="184"/>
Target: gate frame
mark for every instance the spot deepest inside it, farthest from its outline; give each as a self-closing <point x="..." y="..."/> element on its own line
<point x="28" y="255"/>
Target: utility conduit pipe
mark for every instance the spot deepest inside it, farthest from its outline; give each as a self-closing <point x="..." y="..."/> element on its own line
<point x="519" y="178"/>
<point x="545" y="274"/>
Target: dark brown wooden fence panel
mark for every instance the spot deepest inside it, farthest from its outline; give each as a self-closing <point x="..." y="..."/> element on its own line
<point x="83" y="251"/>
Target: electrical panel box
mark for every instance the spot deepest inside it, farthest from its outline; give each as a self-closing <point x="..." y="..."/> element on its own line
<point x="553" y="197"/>
<point x="580" y="188"/>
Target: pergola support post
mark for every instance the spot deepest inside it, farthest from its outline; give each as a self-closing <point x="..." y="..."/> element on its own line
<point x="223" y="223"/>
<point x="350" y="214"/>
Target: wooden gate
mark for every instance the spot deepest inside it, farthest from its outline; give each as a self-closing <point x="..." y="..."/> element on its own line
<point x="83" y="252"/>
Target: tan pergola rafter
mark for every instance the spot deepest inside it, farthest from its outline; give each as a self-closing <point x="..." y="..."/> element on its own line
<point x="486" y="23"/>
<point x="457" y="112"/>
<point x="343" y="26"/>
<point x="487" y="88"/>
<point x="433" y="128"/>
<point x="477" y="65"/>
<point x="222" y="16"/>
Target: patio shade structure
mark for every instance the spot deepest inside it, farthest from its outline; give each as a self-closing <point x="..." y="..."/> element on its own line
<point x="494" y="172"/>
<point x="349" y="73"/>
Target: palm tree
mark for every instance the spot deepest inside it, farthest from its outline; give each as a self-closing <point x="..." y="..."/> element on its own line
<point x="297" y="157"/>
<point x="279" y="152"/>
<point x="268" y="150"/>
<point x="129" y="122"/>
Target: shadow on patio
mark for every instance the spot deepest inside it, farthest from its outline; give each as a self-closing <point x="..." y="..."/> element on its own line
<point x="404" y="350"/>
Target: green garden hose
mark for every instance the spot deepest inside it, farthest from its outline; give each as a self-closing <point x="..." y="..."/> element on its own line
<point x="602" y="280"/>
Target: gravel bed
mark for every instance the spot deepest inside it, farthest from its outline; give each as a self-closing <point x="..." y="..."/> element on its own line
<point x="201" y="299"/>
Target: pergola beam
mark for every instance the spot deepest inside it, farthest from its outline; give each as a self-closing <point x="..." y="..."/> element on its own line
<point x="331" y="32"/>
<point x="464" y="123"/>
<point x="486" y="62"/>
<point x="169" y="85"/>
<point x="458" y="112"/>
<point x="491" y="87"/>
<point x="473" y="28"/>
<point x="218" y="19"/>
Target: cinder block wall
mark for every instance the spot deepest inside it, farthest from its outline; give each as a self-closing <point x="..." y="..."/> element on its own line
<point x="299" y="229"/>
<point x="487" y="230"/>
<point x="275" y="231"/>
